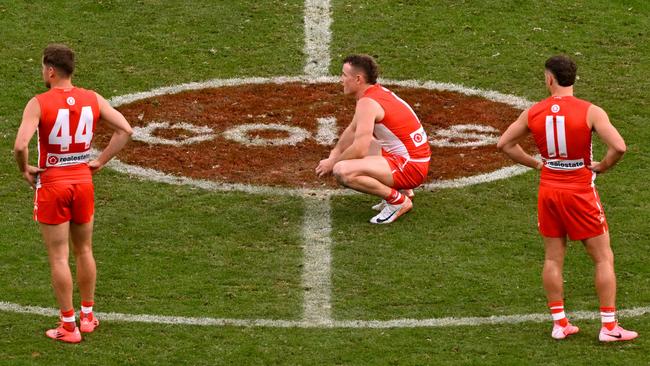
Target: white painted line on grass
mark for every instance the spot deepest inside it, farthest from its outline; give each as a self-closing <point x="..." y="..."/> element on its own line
<point x="503" y="173"/>
<point x="145" y="134"/>
<point x="327" y="131"/>
<point x="511" y="100"/>
<point x="152" y="174"/>
<point x="158" y="176"/>
<point x="359" y="324"/>
<point x="317" y="37"/>
<point x="317" y="262"/>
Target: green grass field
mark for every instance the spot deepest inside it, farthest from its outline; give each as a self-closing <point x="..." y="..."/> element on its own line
<point x="470" y="252"/>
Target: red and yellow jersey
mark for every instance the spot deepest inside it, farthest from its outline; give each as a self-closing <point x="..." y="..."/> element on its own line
<point x="65" y="131"/>
<point x="563" y="137"/>
<point x="400" y="131"/>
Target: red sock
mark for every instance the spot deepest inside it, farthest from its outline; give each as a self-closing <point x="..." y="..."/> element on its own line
<point x="68" y="319"/>
<point x="557" y="312"/>
<point x="608" y="317"/>
<point x="87" y="309"/>
<point x="395" y="198"/>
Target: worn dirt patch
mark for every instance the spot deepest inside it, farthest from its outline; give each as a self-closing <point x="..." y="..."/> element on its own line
<point x="295" y="104"/>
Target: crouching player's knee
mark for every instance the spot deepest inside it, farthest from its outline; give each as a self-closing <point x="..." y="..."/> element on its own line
<point x="342" y="173"/>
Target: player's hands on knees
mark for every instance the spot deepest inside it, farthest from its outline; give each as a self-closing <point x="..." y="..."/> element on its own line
<point x="95" y="166"/>
<point x="325" y="167"/>
<point x="30" y="174"/>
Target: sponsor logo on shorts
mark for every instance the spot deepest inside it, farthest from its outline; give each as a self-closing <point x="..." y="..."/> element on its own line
<point x="565" y="164"/>
<point x="67" y="159"/>
<point x="419" y="137"/>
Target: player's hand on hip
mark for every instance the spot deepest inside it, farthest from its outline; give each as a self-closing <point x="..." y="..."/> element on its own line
<point x="596" y="167"/>
<point x="324" y="167"/>
<point x="30" y="174"/>
<point x="95" y="166"/>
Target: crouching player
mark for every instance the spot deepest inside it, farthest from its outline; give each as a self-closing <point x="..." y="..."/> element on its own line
<point x="384" y="149"/>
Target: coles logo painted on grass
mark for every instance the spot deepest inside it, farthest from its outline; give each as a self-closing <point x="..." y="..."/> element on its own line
<point x="273" y="132"/>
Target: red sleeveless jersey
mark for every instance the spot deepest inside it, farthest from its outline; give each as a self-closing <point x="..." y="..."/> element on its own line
<point x="563" y="137"/>
<point x="65" y="131"/>
<point x="400" y="132"/>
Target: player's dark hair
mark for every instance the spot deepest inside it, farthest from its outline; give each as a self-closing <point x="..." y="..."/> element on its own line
<point x="563" y="68"/>
<point x="60" y="57"/>
<point x="366" y="64"/>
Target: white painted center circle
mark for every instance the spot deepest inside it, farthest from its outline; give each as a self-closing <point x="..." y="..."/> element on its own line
<point x="461" y="135"/>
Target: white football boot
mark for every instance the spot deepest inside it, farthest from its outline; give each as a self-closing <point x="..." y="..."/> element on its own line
<point x="390" y="212"/>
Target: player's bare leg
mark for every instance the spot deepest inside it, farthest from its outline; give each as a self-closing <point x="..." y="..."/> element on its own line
<point x="407" y="192"/>
<point x="372" y="175"/>
<point x="56" y="241"/>
<point x="81" y="235"/>
<point x="554" y="252"/>
<point x="375" y="150"/>
<point x="600" y="250"/>
<point x="604" y="276"/>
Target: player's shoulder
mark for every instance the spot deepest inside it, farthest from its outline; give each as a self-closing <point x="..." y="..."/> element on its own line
<point x="595" y="112"/>
<point x="581" y="102"/>
<point x="90" y="95"/>
<point x="84" y="91"/>
<point x="541" y="104"/>
<point x="376" y="90"/>
<point x="45" y="95"/>
<point x="33" y="105"/>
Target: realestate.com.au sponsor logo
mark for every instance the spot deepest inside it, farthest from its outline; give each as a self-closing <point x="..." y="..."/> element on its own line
<point x="67" y="159"/>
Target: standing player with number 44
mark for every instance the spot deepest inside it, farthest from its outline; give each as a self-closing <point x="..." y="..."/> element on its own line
<point x="65" y="118"/>
<point x="568" y="203"/>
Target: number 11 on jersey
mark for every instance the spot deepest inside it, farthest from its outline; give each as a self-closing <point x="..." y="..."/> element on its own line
<point x="553" y="124"/>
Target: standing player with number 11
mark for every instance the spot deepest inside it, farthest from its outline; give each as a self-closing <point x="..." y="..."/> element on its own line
<point x="65" y="118"/>
<point x="568" y="203"/>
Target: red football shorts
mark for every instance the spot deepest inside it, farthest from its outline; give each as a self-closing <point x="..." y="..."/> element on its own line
<point x="577" y="213"/>
<point x="58" y="203"/>
<point x="407" y="174"/>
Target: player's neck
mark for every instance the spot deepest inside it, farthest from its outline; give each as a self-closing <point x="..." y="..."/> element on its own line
<point x="61" y="84"/>
<point x="359" y="94"/>
<point x="565" y="91"/>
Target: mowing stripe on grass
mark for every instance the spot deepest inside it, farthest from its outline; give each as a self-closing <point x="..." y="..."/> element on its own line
<point x="271" y="323"/>
<point x="316" y="271"/>
<point x="317" y="37"/>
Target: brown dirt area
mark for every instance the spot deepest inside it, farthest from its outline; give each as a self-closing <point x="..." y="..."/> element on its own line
<point x="295" y="104"/>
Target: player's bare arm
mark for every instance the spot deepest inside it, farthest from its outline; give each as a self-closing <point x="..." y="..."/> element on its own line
<point x="354" y="142"/>
<point x="326" y="166"/>
<point x="600" y="123"/>
<point x="28" y="126"/>
<point x="367" y="112"/>
<point x="121" y="133"/>
<point x="509" y="142"/>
